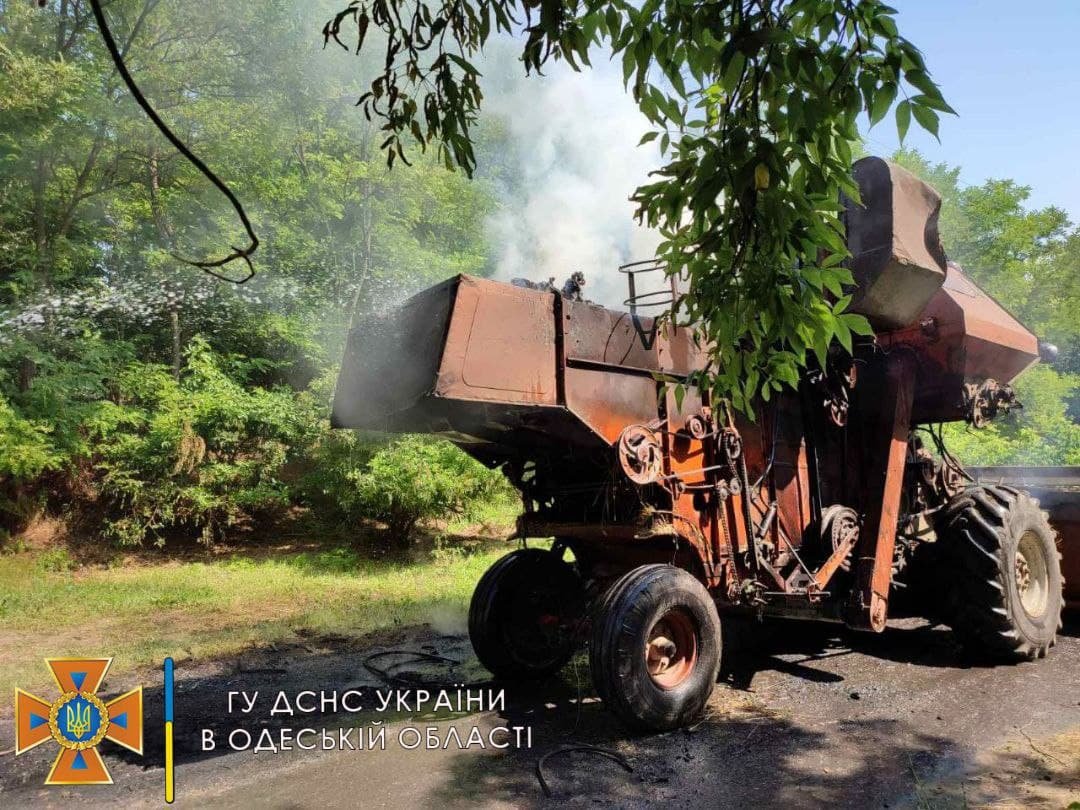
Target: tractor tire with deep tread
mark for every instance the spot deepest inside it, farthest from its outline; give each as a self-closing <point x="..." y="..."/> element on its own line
<point x="653" y="610"/>
<point x="1004" y="597"/>
<point x="525" y="614"/>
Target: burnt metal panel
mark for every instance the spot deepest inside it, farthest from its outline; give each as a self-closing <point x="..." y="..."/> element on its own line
<point x="391" y="361"/>
<point x="594" y="334"/>
<point x="608" y="401"/>
<point x="964" y="336"/>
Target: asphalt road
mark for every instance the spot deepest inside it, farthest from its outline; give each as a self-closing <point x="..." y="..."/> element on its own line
<point x="811" y="717"/>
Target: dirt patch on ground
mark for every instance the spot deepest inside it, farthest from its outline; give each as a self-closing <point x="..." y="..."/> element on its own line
<point x="296" y="531"/>
<point x="42" y="531"/>
<point x="1024" y="772"/>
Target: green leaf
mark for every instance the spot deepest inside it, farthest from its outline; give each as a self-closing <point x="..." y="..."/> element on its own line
<point x="753" y="376"/>
<point x="463" y="64"/>
<point x="833" y="283"/>
<point x="903" y="119"/>
<point x="843" y="334"/>
<point x="733" y="72"/>
<point x="612" y="21"/>
<point x="857" y="324"/>
<point x="820" y="348"/>
<point x="933" y="103"/>
<point x="785" y="372"/>
<point x="883" y="99"/>
<point x="884" y="24"/>
<point x="628" y="65"/>
<point x="919" y="79"/>
<point x="927" y="118"/>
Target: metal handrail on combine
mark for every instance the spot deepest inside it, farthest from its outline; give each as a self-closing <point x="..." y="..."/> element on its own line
<point x="635" y="299"/>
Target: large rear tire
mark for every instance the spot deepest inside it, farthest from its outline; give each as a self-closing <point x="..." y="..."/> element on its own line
<point x="525" y="614"/>
<point x="1005" y="597"/>
<point x="655" y="651"/>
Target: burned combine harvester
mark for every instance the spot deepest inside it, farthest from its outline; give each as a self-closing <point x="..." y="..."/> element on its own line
<point x="829" y="505"/>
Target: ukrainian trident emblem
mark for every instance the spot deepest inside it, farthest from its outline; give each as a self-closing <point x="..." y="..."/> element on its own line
<point x="78" y="720"/>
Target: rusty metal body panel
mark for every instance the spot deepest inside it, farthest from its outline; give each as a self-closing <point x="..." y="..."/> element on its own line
<point x="964" y="335"/>
<point x="506" y="357"/>
<point x="884" y="474"/>
<point x="469" y="359"/>
<point x="1058" y="491"/>
<point x="491" y="324"/>
<point x="892" y="233"/>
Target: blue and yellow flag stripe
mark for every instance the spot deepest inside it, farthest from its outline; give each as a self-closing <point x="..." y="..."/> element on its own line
<point x="170" y="782"/>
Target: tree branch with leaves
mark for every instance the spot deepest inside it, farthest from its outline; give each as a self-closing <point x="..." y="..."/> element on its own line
<point x="756" y="106"/>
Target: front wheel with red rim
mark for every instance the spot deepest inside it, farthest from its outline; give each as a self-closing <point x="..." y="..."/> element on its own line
<point x="655" y="649"/>
<point x="525" y="614"/>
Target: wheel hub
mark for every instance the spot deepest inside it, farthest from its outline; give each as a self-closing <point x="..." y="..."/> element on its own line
<point x="671" y="649"/>
<point x="1023" y="575"/>
<point x="1032" y="575"/>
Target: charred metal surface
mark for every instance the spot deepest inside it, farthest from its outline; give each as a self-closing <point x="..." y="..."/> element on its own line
<point x="408" y="340"/>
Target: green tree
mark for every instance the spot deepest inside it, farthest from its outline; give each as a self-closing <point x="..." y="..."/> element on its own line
<point x="117" y="362"/>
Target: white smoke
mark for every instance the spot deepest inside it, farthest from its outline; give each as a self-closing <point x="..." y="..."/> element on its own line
<point x="576" y="137"/>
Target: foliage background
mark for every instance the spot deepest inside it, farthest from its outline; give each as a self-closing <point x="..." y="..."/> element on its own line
<point x="144" y="401"/>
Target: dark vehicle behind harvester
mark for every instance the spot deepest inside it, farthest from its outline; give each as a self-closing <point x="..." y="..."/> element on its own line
<point x="829" y="505"/>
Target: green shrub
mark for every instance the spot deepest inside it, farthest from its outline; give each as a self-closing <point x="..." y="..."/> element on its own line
<point x="25" y="447"/>
<point x="132" y="451"/>
<point x="326" y="483"/>
<point x="56" y="561"/>
<point x="41" y="424"/>
<point x="205" y="452"/>
<point x="417" y="478"/>
<point x="70" y="394"/>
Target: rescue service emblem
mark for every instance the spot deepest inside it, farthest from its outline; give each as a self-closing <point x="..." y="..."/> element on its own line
<point x="78" y="720"/>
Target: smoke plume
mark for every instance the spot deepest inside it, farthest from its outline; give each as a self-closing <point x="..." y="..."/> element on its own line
<point x="575" y="139"/>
